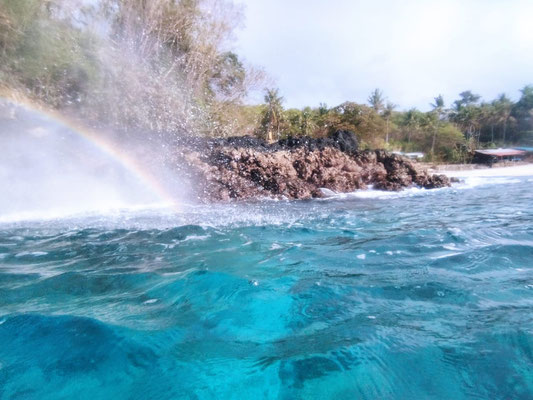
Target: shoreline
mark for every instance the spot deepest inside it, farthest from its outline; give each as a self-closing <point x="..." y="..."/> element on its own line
<point x="507" y="170"/>
<point x="439" y="168"/>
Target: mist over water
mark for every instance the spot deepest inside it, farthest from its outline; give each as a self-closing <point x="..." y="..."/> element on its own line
<point x="49" y="170"/>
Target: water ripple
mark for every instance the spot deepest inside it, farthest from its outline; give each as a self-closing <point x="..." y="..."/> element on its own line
<point x="423" y="296"/>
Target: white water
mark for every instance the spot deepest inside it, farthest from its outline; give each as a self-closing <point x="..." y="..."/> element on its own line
<point x="468" y="180"/>
<point x="520" y="170"/>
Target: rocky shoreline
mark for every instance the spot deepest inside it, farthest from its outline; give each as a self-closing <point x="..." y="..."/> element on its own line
<point x="295" y="168"/>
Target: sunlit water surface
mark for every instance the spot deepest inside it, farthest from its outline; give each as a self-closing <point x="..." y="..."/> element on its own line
<point x="419" y="295"/>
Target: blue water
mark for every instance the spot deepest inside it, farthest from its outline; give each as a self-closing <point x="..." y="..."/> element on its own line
<point x="422" y="295"/>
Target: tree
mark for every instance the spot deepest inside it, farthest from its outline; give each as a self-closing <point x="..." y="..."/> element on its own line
<point x="293" y="122"/>
<point x="376" y="100"/>
<point x="412" y="120"/>
<point x="358" y="118"/>
<point x="467" y="98"/>
<point x="523" y="111"/>
<point x="450" y="142"/>
<point x="308" y="122"/>
<point x="434" y="118"/>
<point x="319" y="120"/>
<point x="387" y="114"/>
<point x="272" y="117"/>
<point x="526" y="99"/>
<point x="490" y="116"/>
<point x="227" y="77"/>
<point x="504" y="107"/>
<point x="438" y="106"/>
<point x="131" y="65"/>
<point x="431" y="125"/>
<point x="466" y="114"/>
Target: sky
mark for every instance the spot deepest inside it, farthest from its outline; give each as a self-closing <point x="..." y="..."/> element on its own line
<point x="331" y="51"/>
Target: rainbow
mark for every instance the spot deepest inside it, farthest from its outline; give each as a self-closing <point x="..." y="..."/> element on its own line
<point x="144" y="177"/>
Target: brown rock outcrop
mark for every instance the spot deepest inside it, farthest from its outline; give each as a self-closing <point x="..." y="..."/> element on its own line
<point x="244" y="169"/>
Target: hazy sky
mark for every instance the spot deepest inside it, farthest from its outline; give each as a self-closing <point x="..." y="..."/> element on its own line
<point x="336" y="50"/>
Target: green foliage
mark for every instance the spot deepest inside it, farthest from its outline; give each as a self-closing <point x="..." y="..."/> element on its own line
<point x="273" y="119"/>
<point x="46" y="55"/>
<point x="128" y="64"/>
<point x="294" y="122"/>
<point x="411" y="125"/>
<point x="228" y="75"/>
<point x="439" y="103"/>
<point x="448" y="138"/>
<point x="523" y="111"/>
<point x="526" y="100"/>
<point x="364" y="120"/>
<point x="448" y="135"/>
<point x="376" y="100"/>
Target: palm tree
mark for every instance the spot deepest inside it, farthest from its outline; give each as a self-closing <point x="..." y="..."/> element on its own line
<point x="376" y="100"/>
<point x="412" y="121"/>
<point x="467" y="116"/>
<point x="523" y="110"/>
<point x="273" y="114"/>
<point x="387" y="113"/>
<point x="504" y="107"/>
<point x="467" y="98"/>
<point x="436" y="115"/>
<point x="438" y="106"/>
<point x="431" y="122"/>
<point x="490" y="115"/>
<point x="308" y="122"/>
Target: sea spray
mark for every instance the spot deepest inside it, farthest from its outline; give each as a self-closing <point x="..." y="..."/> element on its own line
<point x="53" y="167"/>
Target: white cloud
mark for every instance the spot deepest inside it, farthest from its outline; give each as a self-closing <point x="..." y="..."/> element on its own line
<point x="413" y="50"/>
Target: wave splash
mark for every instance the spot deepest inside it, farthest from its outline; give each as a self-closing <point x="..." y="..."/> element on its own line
<point x="49" y="170"/>
<point x="467" y="180"/>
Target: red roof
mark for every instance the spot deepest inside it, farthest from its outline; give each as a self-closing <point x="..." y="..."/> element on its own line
<point x="501" y="152"/>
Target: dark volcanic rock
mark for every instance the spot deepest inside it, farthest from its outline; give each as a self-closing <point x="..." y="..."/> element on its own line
<point x="296" y="168"/>
<point x="345" y="141"/>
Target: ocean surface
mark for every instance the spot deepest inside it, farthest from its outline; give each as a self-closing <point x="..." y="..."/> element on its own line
<point x="412" y="295"/>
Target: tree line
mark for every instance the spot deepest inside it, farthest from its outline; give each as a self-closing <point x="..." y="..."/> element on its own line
<point x="443" y="133"/>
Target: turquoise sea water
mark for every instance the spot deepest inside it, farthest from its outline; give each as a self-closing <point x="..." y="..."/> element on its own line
<point x="421" y="295"/>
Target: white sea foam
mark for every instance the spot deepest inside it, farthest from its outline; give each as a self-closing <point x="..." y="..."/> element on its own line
<point x="327" y="192"/>
<point x="108" y="209"/>
<point x="370" y="193"/>
<point x="383" y="194"/>
<point x="31" y="253"/>
<point x="468" y="180"/>
<point x="196" y="237"/>
<point x="490" y="176"/>
<point x="446" y="255"/>
<point x="520" y="170"/>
